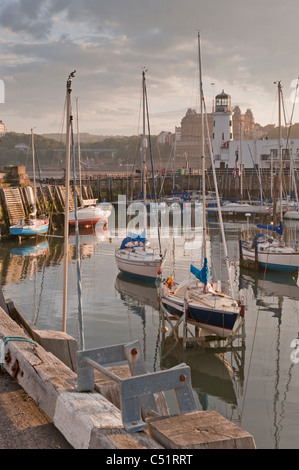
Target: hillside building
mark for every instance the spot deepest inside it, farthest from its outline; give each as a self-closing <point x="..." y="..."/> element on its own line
<point x="3" y="129"/>
<point x="236" y="140"/>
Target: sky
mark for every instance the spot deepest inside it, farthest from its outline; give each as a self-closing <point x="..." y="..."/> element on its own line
<point x="246" y="46"/>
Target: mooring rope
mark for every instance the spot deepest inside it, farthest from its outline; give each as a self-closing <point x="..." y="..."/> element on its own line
<point x="6" y="339"/>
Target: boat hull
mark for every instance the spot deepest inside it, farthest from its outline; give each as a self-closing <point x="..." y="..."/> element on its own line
<point x="292" y="215"/>
<point x="279" y="261"/>
<point x="241" y="209"/>
<point x="29" y="230"/>
<point x="89" y="216"/>
<point x="141" y="269"/>
<point x="217" y="321"/>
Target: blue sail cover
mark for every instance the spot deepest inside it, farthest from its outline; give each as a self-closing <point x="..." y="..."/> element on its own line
<point x="132" y="238"/>
<point x="275" y="228"/>
<point x="201" y="274"/>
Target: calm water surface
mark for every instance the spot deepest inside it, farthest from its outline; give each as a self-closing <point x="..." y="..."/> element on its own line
<point x="256" y="385"/>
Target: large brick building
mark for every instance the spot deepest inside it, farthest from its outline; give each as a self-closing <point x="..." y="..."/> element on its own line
<point x="188" y="144"/>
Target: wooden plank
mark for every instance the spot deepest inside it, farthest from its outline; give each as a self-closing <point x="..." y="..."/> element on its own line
<point x="49" y="193"/>
<point x="14" y="205"/>
<point x="59" y="343"/>
<point x="60" y="192"/>
<point x="199" y="430"/>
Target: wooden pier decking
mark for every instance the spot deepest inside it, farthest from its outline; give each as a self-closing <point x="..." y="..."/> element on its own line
<point x="14" y="204"/>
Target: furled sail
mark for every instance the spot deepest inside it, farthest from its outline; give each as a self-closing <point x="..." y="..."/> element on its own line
<point x="201" y="274"/>
<point x="275" y="228"/>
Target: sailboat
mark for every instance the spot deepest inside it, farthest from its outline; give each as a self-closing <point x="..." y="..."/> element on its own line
<point x="197" y="300"/>
<point x="266" y="250"/>
<point x="90" y="212"/>
<point x="135" y="256"/>
<point x="34" y="225"/>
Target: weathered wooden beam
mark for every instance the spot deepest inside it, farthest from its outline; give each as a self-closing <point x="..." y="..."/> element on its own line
<point x="87" y="420"/>
<point x="199" y="430"/>
<point x="59" y="343"/>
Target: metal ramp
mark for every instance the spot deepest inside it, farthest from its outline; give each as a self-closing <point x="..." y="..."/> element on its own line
<point x="137" y="393"/>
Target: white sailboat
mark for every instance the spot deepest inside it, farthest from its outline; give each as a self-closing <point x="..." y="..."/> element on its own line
<point x="265" y="250"/>
<point x="242" y="208"/>
<point x="202" y="302"/>
<point x="34" y="225"/>
<point x="292" y="213"/>
<point x="135" y="256"/>
<point x="90" y="212"/>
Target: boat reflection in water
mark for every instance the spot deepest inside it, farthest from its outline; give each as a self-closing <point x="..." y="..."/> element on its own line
<point x="142" y="292"/>
<point x="276" y="299"/>
<point x="212" y="374"/>
<point x="90" y="233"/>
<point x="89" y="237"/>
<point x="271" y="283"/>
<point x="32" y="250"/>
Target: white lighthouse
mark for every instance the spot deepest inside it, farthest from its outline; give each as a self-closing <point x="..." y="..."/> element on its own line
<point x="222" y="127"/>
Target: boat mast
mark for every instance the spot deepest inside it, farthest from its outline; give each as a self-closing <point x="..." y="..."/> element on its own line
<point x="202" y="151"/>
<point x="280" y="146"/>
<point x="69" y="118"/>
<point x="33" y="165"/>
<point x="241" y="163"/>
<point x="204" y="114"/>
<point x="143" y="149"/>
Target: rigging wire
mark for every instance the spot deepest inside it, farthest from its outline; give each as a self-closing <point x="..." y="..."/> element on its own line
<point x="152" y="165"/>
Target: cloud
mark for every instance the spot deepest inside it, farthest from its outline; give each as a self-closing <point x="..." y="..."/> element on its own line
<point x="246" y="46"/>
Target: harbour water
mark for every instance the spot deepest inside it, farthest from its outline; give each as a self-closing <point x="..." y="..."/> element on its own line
<point x="255" y="383"/>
